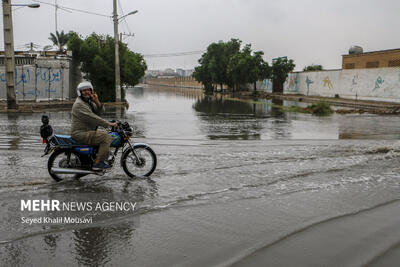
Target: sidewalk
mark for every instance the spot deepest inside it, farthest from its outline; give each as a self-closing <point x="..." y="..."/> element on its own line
<point x="343" y="102"/>
<point x="352" y="104"/>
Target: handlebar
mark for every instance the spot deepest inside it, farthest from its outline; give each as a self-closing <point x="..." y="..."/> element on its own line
<point x="121" y="126"/>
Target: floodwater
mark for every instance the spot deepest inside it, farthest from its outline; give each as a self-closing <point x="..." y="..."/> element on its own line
<point x="237" y="182"/>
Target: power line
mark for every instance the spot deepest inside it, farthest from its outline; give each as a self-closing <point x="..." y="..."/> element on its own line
<point x="125" y="23"/>
<point x="175" y="54"/>
<point x="73" y="9"/>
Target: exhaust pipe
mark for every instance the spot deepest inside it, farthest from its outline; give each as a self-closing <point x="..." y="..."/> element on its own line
<point x="71" y="171"/>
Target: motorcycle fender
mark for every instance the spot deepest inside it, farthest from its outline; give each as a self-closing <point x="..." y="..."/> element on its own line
<point x="47" y="150"/>
<point x="135" y="145"/>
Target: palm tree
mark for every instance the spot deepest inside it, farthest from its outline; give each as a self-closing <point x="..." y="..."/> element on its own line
<point x="59" y="39"/>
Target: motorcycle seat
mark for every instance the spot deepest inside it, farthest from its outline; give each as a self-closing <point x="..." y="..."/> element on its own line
<point x="66" y="140"/>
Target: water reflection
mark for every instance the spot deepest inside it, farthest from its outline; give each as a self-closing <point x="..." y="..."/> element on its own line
<point x="96" y="245"/>
<point x="51" y="241"/>
<point x="230" y="119"/>
<point x="369" y="127"/>
<point x="275" y="111"/>
<point x="165" y="91"/>
<point x="14" y="254"/>
<point x="13" y="131"/>
<point x="115" y="112"/>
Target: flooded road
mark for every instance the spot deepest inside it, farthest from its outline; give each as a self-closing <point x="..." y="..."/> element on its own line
<point x="236" y="183"/>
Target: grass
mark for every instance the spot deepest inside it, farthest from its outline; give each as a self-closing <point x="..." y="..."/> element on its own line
<point x="321" y="108"/>
<point x="291" y="108"/>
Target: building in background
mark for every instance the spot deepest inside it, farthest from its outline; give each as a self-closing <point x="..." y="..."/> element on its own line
<point x="357" y="59"/>
<point x="180" y="72"/>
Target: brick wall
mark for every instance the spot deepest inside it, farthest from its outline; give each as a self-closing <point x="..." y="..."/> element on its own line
<point x="378" y="59"/>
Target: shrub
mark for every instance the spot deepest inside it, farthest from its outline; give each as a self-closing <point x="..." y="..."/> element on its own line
<point x="321" y="108"/>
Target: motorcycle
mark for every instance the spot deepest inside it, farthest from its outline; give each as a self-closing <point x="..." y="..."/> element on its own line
<point x="69" y="159"/>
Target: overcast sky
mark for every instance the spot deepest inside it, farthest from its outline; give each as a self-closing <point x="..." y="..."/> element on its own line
<point x="307" y="31"/>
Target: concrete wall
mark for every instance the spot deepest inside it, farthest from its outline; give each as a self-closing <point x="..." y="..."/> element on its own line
<point x="46" y="80"/>
<point x="380" y="84"/>
<point x="188" y="82"/>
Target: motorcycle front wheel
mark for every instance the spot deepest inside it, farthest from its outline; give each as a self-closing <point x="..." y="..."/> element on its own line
<point x="139" y="161"/>
<point x="59" y="159"/>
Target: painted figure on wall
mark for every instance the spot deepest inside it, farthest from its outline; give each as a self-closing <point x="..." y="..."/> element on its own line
<point x="267" y="85"/>
<point x="327" y="82"/>
<point x="354" y="82"/>
<point x="293" y="85"/>
<point x="308" y="82"/>
<point x="378" y="83"/>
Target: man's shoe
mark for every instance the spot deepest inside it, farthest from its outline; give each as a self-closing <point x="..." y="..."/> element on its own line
<point x="100" y="166"/>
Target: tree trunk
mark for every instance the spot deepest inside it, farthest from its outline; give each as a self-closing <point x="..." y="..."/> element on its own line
<point x="277" y="87"/>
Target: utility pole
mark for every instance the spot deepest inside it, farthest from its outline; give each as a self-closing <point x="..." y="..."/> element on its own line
<point x="9" y="55"/>
<point x="116" y="46"/>
<point x="55" y="13"/>
<point x="126" y="34"/>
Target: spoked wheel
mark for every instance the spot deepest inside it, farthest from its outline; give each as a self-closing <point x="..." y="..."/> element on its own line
<point x="59" y="159"/>
<point x="141" y="161"/>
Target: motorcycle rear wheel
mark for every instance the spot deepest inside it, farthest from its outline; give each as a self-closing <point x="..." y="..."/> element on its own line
<point x="58" y="159"/>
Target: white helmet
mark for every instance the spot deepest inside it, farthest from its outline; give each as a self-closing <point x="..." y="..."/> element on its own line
<point x="83" y="85"/>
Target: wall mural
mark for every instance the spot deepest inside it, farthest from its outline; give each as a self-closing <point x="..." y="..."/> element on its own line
<point x="327" y="82"/>
<point x="266" y="85"/>
<point x="293" y="84"/>
<point x="308" y="82"/>
<point x="357" y="83"/>
<point x="354" y="83"/>
<point x="378" y="83"/>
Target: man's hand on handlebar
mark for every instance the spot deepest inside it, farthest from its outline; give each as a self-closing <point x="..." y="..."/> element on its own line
<point x="113" y="124"/>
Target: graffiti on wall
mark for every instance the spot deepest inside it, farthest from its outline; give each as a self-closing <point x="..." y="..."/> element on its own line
<point x="357" y="83"/>
<point x="267" y="85"/>
<point x="37" y="83"/>
<point x="327" y="82"/>
<point x="49" y="75"/>
<point x="23" y="76"/>
<point x="354" y="83"/>
<point x="293" y="84"/>
<point x="378" y="83"/>
<point x="308" y="82"/>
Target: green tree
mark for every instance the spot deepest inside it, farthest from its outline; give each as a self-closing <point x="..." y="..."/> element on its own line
<point x="313" y="67"/>
<point x="59" y="39"/>
<point x="259" y="69"/>
<point x="280" y="70"/>
<point x="225" y="63"/>
<point x="202" y="74"/>
<point x="96" y="55"/>
<point x="247" y="67"/>
<point x="214" y="63"/>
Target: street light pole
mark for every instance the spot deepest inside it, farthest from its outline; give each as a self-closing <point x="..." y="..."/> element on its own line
<point x="116" y="52"/>
<point x="9" y="55"/>
<point x="9" y="59"/>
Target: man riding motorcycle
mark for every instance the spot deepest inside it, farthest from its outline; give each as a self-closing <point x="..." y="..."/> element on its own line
<point x="86" y="119"/>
